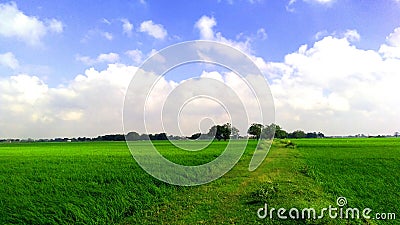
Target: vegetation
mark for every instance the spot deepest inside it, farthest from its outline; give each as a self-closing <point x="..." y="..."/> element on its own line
<point x="100" y="183"/>
<point x="218" y="132"/>
<point x="255" y="129"/>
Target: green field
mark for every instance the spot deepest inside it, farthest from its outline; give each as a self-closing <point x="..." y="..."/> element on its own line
<point x="100" y="183"/>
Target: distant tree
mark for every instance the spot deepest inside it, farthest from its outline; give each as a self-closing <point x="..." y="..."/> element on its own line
<point x="160" y="136"/>
<point x="320" y="135"/>
<point x="280" y="133"/>
<point x="255" y="130"/>
<point x="132" y="136"/>
<point x="235" y="132"/>
<point x="195" y="136"/>
<point x="144" y="137"/>
<point x="297" y="134"/>
<point x="226" y="131"/>
<point x="311" y="135"/>
<point x="214" y="132"/>
<point x="268" y="131"/>
<point x="220" y="132"/>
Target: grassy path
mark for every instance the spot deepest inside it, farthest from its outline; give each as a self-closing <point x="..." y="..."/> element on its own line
<point x="236" y="197"/>
<point x="314" y="174"/>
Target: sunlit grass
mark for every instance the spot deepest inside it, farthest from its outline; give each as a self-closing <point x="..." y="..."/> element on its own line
<point x="101" y="183"/>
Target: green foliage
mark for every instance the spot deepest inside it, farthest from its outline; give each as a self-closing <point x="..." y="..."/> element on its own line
<point x="297" y="134"/>
<point x="221" y="131"/>
<point x="255" y="130"/>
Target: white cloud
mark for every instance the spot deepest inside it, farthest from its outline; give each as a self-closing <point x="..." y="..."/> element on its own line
<point x="155" y="30"/>
<point x="106" y="21"/>
<point x="92" y="103"/>
<point x="330" y="86"/>
<point x="392" y="48"/>
<point x="110" y="57"/>
<point x="55" y="26"/>
<point x="107" y="35"/>
<point x="262" y="34"/>
<point x="8" y="59"/>
<point x="335" y="87"/>
<point x="29" y="29"/>
<point x="136" y="55"/>
<point x="352" y="35"/>
<point x="127" y="27"/>
<point x="205" y="26"/>
<point x="89" y="105"/>
<point x="290" y="5"/>
<point x="321" y="34"/>
<point x="102" y="58"/>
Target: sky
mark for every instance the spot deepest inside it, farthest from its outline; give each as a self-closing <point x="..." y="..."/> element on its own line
<point x="332" y="65"/>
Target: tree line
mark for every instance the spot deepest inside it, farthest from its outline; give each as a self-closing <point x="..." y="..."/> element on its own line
<point x="219" y="132"/>
<point x="269" y="131"/>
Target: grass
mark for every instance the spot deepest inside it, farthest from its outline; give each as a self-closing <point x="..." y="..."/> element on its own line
<point x="100" y="183"/>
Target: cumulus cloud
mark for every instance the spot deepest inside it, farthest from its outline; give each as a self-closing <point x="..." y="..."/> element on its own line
<point x="127" y="27"/>
<point x="352" y="35"/>
<point x="205" y="26"/>
<point x="29" y="29"/>
<point x="330" y="86"/>
<point x="392" y="48"/>
<point x="155" y="30"/>
<point x="136" y="55"/>
<point x="102" y="58"/>
<point x="8" y="60"/>
<point x="92" y="102"/>
<point x="337" y="86"/>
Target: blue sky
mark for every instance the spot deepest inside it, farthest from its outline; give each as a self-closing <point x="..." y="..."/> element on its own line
<point x="57" y="41"/>
<point x="286" y="27"/>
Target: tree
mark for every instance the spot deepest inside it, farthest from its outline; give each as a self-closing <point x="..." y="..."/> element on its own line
<point x="255" y="130"/>
<point x="226" y="131"/>
<point x="268" y="132"/>
<point x="235" y="132"/>
<point x="297" y="134"/>
<point x="132" y="136"/>
<point x="195" y="136"/>
<point x="215" y="132"/>
<point x="311" y="135"/>
<point x="280" y="133"/>
<point x="160" y="136"/>
<point x="220" y="131"/>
